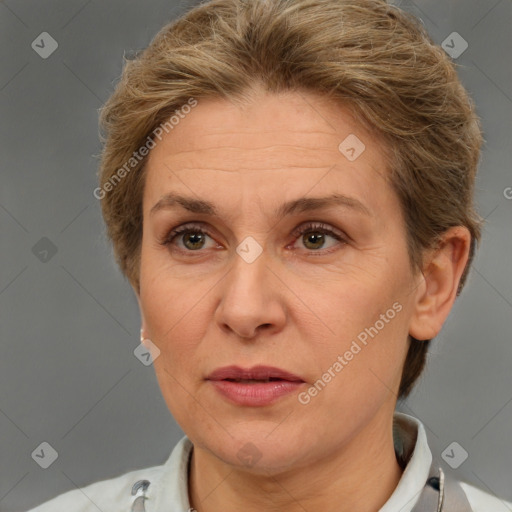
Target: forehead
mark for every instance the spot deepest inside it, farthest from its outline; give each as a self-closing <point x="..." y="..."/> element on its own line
<point x="299" y="119"/>
<point x="293" y="141"/>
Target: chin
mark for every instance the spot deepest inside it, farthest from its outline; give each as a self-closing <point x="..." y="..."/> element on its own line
<point x="258" y="451"/>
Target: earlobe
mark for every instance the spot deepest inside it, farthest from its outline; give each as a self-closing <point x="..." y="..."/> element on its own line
<point x="143" y="333"/>
<point x="439" y="283"/>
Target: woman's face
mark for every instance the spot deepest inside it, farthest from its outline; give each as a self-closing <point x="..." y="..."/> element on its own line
<point x="257" y="284"/>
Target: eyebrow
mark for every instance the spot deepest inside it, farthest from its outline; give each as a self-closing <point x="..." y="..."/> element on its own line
<point x="301" y="205"/>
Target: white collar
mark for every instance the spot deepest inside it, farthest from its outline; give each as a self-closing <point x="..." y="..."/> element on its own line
<point x="407" y="493"/>
<point x="170" y="491"/>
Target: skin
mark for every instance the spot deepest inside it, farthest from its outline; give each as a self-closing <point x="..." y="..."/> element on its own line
<point x="298" y="306"/>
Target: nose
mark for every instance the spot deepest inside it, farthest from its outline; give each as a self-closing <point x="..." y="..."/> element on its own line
<point x="251" y="299"/>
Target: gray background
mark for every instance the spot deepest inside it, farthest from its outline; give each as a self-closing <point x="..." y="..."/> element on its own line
<point x="69" y="324"/>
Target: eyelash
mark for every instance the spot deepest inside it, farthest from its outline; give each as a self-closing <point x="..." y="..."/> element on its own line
<point x="309" y="227"/>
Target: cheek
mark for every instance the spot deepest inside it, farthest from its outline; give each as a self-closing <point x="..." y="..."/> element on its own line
<point x="174" y="326"/>
<point x="355" y="378"/>
<point x="171" y="303"/>
<point x="363" y="322"/>
<point x="345" y="305"/>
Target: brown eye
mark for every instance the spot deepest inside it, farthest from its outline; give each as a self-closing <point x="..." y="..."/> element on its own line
<point x="314" y="236"/>
<point x="191" y="237"/>
<point x="316" y="240"/>
<point x="196" y="240"/>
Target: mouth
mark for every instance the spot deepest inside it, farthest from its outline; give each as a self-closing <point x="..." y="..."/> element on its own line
<point x="254" y="387"/>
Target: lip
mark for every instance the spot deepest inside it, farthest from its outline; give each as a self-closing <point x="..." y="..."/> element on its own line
<point x="226" y="381"/>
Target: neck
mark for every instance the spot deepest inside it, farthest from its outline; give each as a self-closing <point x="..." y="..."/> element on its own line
<point x="359" y="476"/>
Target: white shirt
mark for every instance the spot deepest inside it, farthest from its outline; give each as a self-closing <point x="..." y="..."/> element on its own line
<point x="168" y="490"/>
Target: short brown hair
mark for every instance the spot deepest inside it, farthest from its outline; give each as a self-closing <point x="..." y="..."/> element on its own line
<point x="365" y="54"/>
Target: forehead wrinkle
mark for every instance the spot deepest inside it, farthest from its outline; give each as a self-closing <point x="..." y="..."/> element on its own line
<point x="316" y="148"/>
<point x="246" y="170"/>
<point x="304" y="158"/>
<point x="240" y="130"/>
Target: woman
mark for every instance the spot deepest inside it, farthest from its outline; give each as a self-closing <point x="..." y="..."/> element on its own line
<point x="288" y="187"/>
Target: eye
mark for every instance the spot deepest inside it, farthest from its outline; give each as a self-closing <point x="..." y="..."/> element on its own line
<point x="314" y="236"/>
<point x="192" y="236"/>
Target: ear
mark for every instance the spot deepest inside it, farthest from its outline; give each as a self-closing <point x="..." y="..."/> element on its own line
<point x="439" y="282"/>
